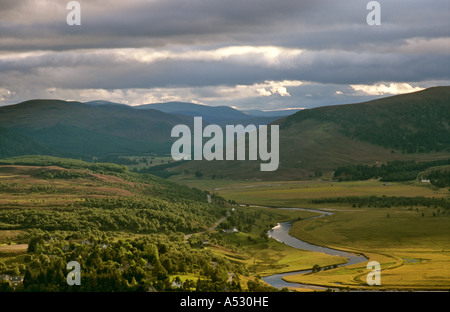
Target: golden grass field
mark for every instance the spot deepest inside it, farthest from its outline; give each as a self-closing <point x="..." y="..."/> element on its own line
<point x="413" y="250"/>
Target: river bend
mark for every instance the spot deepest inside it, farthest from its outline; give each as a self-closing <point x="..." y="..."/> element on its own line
<point x="281" y="234"/>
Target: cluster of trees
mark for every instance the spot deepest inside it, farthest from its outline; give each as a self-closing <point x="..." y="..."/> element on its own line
<point x="439" y="178"/>
<point x="142" y="264"/>
<point x="64" y="163"/>
<point x="397" y="170"/>
<point x="156" y="206"/>
<point x="162" y="170"/>
<point x="386" y="201"/>
<point x="62" y="174"/>
<point x="120" y="160"/>
<point x="242" y="220"/>
<point x="82" y="231"/>
<point x="112" y="214"/>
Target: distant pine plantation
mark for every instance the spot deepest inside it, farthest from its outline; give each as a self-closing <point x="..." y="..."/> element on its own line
<point x="397" y="171"/>
<point x="388" y="202"/>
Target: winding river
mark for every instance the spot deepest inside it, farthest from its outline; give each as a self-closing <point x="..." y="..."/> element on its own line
<point x="281" y="234"/>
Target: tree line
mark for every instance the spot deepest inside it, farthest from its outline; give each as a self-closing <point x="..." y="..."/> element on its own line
<point x="398" y="170"/>
<point x="154" y="262"/>
<point x="439" y="178"/>
<point x="386" y="201"/>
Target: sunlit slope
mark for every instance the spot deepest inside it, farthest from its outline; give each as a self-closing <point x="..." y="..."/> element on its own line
<point x="62" y="194"/>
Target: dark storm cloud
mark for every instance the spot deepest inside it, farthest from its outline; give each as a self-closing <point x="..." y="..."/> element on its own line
<point x="147" y="22"/>
<point x="306" y="24"/>
<point x="109" y="71"/>
<point x="39" y="51"/>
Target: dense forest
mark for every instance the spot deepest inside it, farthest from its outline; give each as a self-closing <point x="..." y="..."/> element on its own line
<point x="439" y="178"/>
<point x="161" y="170"/>
<point x="141" y="264"/>
<point x="388" y="202"/>
<point x="389" y="172"/>
<point x="13" y="143"/>
<point x="109" y="214"/>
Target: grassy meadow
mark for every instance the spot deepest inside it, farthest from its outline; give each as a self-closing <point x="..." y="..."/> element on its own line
<point x="293" y="194"/>
<point x="411" y="243"/>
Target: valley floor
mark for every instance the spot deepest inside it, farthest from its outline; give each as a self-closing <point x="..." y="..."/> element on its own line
<point x="411" y="242"/>
<point x="403" y="226"/>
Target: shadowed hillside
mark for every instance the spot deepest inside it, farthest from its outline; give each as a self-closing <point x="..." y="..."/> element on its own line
<point x="314" y="142"/>
<point x="74" y="129"/>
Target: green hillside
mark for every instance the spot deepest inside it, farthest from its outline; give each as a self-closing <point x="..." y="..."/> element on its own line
<point x="73" y="129"/>
<point x="415" y="122"/>
<point x="12" y="143"/>
<point x="314" y="142"/>
<point x="69" y="194"/>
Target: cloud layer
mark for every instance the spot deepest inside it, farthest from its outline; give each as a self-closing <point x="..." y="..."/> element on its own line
<point x="263" y="54"/>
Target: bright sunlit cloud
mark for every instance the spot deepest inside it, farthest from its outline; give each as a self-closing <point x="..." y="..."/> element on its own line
<point x="265" y="55"/>
<point x="382" y="89"/>
<point x="198" y="95"/>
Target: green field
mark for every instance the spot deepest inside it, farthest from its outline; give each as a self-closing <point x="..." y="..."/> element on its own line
<point x="414" y="250"/>
<point x="299" y="193"/>
<point x="411" y="243"/>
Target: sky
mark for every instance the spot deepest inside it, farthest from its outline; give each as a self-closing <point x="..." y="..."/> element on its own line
<point x="248" y="54"/>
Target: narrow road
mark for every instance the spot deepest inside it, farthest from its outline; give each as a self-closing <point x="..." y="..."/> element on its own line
<point x="213" y="228"/>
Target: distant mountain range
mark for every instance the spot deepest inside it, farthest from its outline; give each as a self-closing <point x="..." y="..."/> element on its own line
<point x="277" y="113"/>
<point x="74" y="129"/>
<point x="212" y="114"/>
<point x="101" y="128"/>
<point x="316" y="141"/>
<point x="312" y="141"/>
<point x="221" y="115"/>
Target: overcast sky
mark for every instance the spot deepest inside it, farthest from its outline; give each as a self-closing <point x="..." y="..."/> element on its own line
<point x="250" y="54"/>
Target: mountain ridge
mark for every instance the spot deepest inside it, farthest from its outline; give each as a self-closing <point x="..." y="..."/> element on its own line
<point x="314" y="142"/>
<point x="401" y="127"/>
<point x="75" y="129"/>
<point x="221" y="115"/>
<point x="99" y="128"/>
